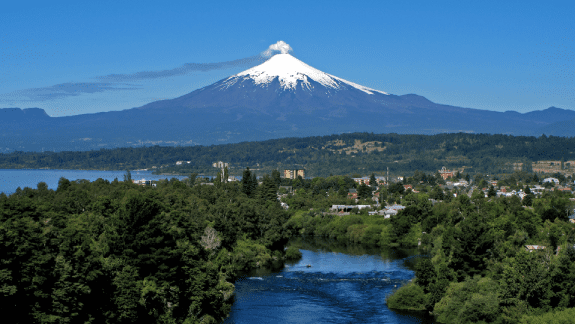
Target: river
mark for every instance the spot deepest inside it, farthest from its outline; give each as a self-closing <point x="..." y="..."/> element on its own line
<point x="345" y="284"/>
<point x="11" y="179"/>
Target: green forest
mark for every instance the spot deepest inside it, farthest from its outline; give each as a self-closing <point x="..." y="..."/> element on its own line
<point x="475" y="266"/>
<point x="116" y="252"/>
<point x="343" y="154"/>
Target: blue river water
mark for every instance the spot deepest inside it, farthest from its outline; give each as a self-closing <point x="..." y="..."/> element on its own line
<point x="342" y="286"/>
<point x="11" y="179"/>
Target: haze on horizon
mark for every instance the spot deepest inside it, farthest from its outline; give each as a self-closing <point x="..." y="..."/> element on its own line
<point x="75" y="58"/>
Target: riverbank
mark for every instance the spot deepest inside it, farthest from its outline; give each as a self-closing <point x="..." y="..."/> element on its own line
<point x="481" y="264"/>
<point x="345" y="282"/>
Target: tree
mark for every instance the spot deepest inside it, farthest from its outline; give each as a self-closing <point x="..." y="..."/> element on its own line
<point x="397" y="188"/>
<point x="210" y="240"/>
<point x="372" y="181"/>
<point x="528" y="200"/>
<point x="269" y="189"/>
<point x="382" y="196"/>
<point x="128" y="176"/>
<point x="192" y="178"/>
<point x="276" y="177"/>
<point x="218" y="179"/>
<point x="249" y="182"/>
<point x="492" y="192"/>
<point x="363" y="191"/>
<point x="425" y="273"/>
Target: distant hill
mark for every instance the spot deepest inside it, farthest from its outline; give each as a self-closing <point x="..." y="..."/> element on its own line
<point x="361" y="153"/>
<point x="283" y="97"/>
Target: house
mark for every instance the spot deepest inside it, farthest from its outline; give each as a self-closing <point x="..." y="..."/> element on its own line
<point x="352" y="194"/>
<point x="347" y="208"/>
<point x="461" y="183"/>
<point x="408" y="186"/>
<point x="532" y="248"/>
<point x="381" y="180"/>
<point x="554" y="180"/>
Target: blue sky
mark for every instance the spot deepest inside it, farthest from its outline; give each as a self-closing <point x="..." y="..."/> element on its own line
<point x="77" y="57"/>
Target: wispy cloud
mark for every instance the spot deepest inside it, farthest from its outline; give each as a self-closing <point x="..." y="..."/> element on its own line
<point x="182" y="70"/>
<point x="69" y="89"/>
<point x="117" y="82"/>
<point x="120" y="82"/>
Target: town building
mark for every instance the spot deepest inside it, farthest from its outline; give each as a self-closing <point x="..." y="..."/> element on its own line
<point x="144" y="182"/>
<point x="293" y="174"/>
<point x="364" y="180"/>
<point x="445" y="173"/>
<point x="220" y="165"/>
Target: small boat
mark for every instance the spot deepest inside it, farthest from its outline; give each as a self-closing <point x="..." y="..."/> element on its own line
<point x="309" y="265"/>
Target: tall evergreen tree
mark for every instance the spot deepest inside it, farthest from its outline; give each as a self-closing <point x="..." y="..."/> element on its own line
<point x="276" y="177"/>
<point x="373" y="181"/>
<point x="247" y="182"/>
<point x="128" y="176"/>
<point x="363" y="191"/>
<point x="253" y="184"/>
<point x="492" y="192"/>
<point x="269" y="189"/>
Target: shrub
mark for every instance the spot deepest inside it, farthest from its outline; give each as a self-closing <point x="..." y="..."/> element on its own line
<point x="559" y="317"/>
<point x="408" y="297"/>
<point x="293" y="253"/>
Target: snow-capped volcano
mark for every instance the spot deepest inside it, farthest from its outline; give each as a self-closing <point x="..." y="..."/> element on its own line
<point x="291" y="72"/>
<point x="282" y="97"/>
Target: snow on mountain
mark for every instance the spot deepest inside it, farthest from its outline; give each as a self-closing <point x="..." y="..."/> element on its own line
<point x="290" y="71"/>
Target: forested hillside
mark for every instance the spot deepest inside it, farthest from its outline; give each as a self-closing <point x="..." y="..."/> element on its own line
<point x="361" y="153"/>
<point x="116" y="252"/>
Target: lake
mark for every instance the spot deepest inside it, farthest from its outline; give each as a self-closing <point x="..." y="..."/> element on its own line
<point x="10" y="179"/>
<point x="345" y="284"/>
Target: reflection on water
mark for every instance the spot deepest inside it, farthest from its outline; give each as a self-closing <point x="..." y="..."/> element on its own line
<point x="345" y="284"/>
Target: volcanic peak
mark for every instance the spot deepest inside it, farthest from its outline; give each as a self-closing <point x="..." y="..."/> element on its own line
<point x="289" y="70"/>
